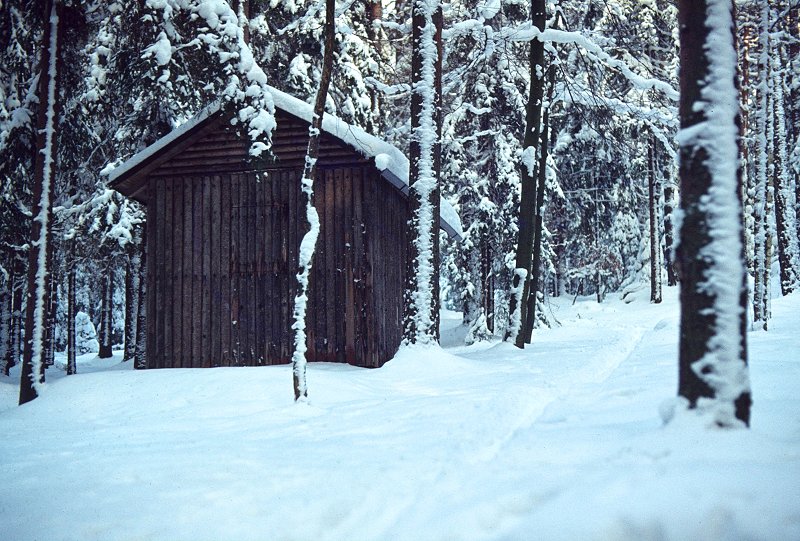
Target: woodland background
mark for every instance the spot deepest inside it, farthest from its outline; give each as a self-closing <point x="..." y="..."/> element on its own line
<point x="132" y="71"/>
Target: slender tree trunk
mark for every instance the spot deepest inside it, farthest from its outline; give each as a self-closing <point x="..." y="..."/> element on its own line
<point x="784" y="193"/>
<point x="105" y="314"/>
<point x="669" y="234"/>
<point x="421" y="315"/>
<point x="309" y="241"/>
<point x="538" y="220"/>
<point x="761" y="231"/>
<point x="72" y="341"/>
<point x="140" y="352"/>
<point x="16" y="316"/>
<point x="518" y="311"/>
<point x="713" y="347"/>
<point x="44" y="178"/>
<point x="133" y="273"/>
<point x="52" y="307"/>
<point x="748" y="163"/>
<point x="6" y="309"/>
<point x="655" y="240"/>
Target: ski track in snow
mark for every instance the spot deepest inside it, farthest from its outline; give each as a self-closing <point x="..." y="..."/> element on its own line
<point x="483" y="442"/>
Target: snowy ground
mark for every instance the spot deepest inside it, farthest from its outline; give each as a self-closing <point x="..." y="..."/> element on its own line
<point x="560" y="441"/>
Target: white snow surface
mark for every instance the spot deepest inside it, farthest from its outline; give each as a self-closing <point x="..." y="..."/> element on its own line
<point x="387" y="156"/>
<point x="561" y="441"/>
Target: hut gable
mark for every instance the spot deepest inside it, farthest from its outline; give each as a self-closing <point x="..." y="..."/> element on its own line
<point x="223" y="231"/>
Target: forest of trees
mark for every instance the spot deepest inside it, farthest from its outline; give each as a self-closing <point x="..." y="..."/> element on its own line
<point x="552" y="126"/>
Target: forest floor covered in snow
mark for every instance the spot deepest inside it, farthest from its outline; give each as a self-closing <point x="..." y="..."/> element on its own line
<point x="560" y="441"/>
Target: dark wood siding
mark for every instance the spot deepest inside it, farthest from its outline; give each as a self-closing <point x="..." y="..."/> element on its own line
<point x="224" y="233"/>
<point x="223" y="276"/>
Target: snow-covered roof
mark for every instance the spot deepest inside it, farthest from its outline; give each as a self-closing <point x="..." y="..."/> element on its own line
<point x="389" y="160"/>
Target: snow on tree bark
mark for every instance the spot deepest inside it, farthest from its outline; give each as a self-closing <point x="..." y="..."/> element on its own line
<point x="140" y="352"/>
<point x="6" y="308"/>
<point x="538" y="219"/>
<point x="72" y="342"/>
<point x="762" y="211"/>
<point x="32" y="376"/>
<point x="669" y="234"/>
<point x="785" y="201"/>
<point x="421" y="318"/>
<point x="713" y="375"/>
<point x="654" y="188"/>
<point x="309" y="241"/>
<point x="105" y="313"/>
<point x="518" y="310"/>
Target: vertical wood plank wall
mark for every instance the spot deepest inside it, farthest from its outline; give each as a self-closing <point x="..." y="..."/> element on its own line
<point x="221" y="281"/>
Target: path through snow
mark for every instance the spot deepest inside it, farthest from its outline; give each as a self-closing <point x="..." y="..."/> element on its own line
<point x="559" y="441"/>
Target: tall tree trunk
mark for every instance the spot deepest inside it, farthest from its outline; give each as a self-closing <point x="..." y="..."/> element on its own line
<point x="72" y="339"/>
<point x="533" y="113"/>
<point x="16" y="315"/>
<point x="784" y="193"/>
<point x="669" y="233"/>
<point x="713" y="347"/>
<point x="133" y="273"/>
<point x="105" y="314"/>
<point x="140" y="352"/>
<point x="306" y="253"/>
<point x="748" y="175"/>
<point x="761" y="215"/>
<point x="52" y="307"/>
<point x="6" y="309"/>
<point x="538" y="220"/>
<point x="43" y="180"/>
<point x="654" y="189"/>
<point x="421" y="314"/>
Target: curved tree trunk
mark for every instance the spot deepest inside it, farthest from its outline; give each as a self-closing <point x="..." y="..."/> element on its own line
<point x="306" y="253"/>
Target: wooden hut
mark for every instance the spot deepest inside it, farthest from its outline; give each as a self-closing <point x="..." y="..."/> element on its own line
<point x="223" y="232"/>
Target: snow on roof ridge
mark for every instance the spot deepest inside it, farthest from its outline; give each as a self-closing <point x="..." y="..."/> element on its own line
<point x="389" y="160"/>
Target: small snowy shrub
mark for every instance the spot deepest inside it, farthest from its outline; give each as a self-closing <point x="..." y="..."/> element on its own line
<point x="86" y="335"/>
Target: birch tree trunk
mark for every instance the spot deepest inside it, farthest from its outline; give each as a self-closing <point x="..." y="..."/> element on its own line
<point x="33" y="365"/>
<point x="307" y="245"/>
<point x="713" y="347"/>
